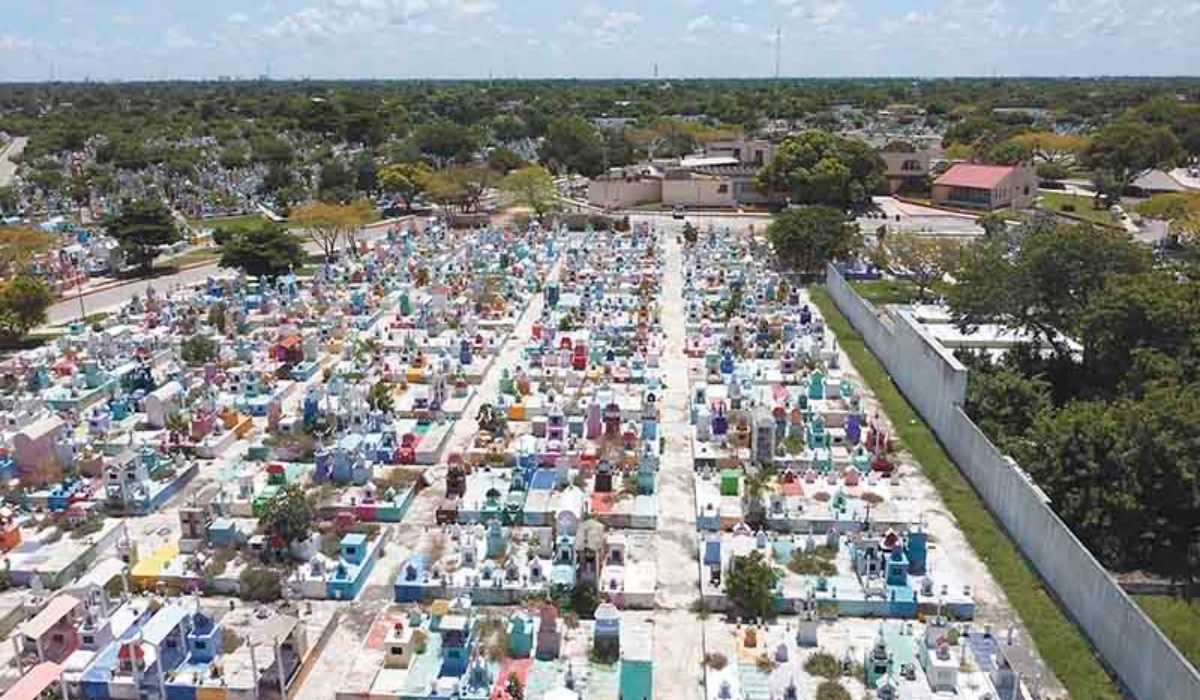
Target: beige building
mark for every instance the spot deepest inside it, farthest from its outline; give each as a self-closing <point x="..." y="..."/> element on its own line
<point x="623" y="188"/>
<point x="686" y="188"/>
<point x="989" y="187"/>
<point x="906" y="170"/>
<point x="755" y="152"/>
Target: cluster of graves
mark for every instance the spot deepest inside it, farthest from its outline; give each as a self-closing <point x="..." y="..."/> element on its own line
<point x="793" y="467"/>
<point x="97" y="644"/>
<point x="455" y="649"/>
<point x="559" y="480"/>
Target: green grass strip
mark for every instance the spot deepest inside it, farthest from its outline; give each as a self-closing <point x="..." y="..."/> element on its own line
<point x="1179" y="619"/>
<point x="1058" y="640"/>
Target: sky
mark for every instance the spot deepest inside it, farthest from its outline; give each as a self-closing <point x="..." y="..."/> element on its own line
<point x="186" y="39"/>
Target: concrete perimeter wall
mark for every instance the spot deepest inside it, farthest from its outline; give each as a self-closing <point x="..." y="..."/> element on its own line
<point x="935" y="383"/>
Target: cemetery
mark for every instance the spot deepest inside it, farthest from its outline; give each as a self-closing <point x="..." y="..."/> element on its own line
<point x="453" y="648"/>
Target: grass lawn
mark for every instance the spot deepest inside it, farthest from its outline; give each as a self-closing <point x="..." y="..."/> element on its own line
<point x="192" y="256"/>
<point x="231" y="223"/>
<point x="1059" y="641"/>
<point x="886" y="291"/>
<point x="1179" y="619"/>
<point x="1085" y="207"/>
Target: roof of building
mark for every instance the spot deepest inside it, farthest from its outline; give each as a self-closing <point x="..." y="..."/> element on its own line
<point x="975" y="176"/>
<point x="58" y="608"/>
<point x="1157" y="181"/>
<point x="275" y="628"/>
<point x="34" y="683"/>
<point x="699" y="162"/>
<point x="163" y="623"/>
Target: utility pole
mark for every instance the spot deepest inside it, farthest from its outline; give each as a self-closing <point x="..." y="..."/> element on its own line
<point x="778" y="36"/>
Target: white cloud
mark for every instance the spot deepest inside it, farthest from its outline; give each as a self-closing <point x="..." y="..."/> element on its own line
<point x="177" y="37"/>
<point x="8" y="42"/>
<point x="701" y="23"/>
<point x="237" y="18"/>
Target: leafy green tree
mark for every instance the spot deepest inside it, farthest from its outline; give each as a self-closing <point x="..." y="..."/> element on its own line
<point x="531" y="187"/>
<point x="1045" y="285"/>
<point x="19" y="245"/>
<point x="289" y="515"/>
<point x="807" y="237"/>
<point x="335" y="183"/>
<point x="1011" y="152"/>
<point x="750" y="584"/>
<point x="23" y="303"/>
<point x="572" y="145"/>
<point x="1124" y="149"/>
<point x="816" y="167"/>
<point x="380" y="398"/>
<point x="142" y="227"/>
<point x="503" y="160"/>
<point x="446" y="141"/>
<point x="1004" y="403"/>
<point x="926" y="260"/>
<point x="406" y="180"/>
<point x="197" y="350"/>
<point x="366" y="175"/>
<point x="268" y="251"/>
<point x="1157" y="312"/>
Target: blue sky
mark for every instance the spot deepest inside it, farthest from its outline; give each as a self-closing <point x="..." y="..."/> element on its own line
<point x="132" y="39"/>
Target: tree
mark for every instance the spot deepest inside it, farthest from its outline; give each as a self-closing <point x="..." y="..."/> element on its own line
<point x="475" y="181"/>
<point x="807" y="237"/>
<point x="19" y="245"/>
<point x="1044" y="286"/>
<point x="1004" y="403"/>
<point x="289" y="515"/>
<point x="815" y="167"/>
<point x="268" y="251"/>
<point x="513" y="688"/>
<point x="23" y="303"/>
<point x="926" y="260"/>
<point x="503" y="160"/>
<point x="750" y="584"/>
<point x="573" y="145"/>
<point x="1154" y="312"/>
<point x="8" y="199"/>
<point x="993" y="224"/>
<point x="531" y="187"/>
<point x="1180" y="211"/>
<point x="327" y="224"/>
<point x="142" y="227"/>
<point x="407" y="180"/>
<point x="380" y="398"/>
<point x="447" y="191"/>
<point x="756" y="484"/>
<point x="1124" y="149"/>
<point x="445" y="141"/>
<point x="366" y="175"/>
<point x="197" y="350"/>
<point x="335" y="183"/>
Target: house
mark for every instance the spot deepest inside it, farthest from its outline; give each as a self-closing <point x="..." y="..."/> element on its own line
<point x="907" y="169"/>
<point x="751" y="152"/>
<point x="987" y="187"/>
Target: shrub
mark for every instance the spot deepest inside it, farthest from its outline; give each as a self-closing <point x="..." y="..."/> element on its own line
<point x="818" y="562"/>
<point x="261" y="585"/>
<point x="832" y="690"/>
<point x="715" y="661"/>
<point x="823" y="664"/>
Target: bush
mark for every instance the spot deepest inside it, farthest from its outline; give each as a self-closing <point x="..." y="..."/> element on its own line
<point x="823" y="664"/>
<point x="260" y="585"/>
<point x="715" y="661"/>
<point x="818" y="562"/>
<point x="1067" y="207"/>
<point x="832" y="690"/>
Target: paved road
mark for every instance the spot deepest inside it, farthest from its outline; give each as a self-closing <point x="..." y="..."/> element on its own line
<point x="7" y="167"/>
<point x="68" y="310"/>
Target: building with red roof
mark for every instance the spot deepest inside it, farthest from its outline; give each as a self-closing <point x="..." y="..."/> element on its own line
<point x="988" y="187"/>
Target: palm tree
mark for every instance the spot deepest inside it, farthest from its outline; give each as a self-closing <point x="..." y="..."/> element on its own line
<point x="756" y="484"/>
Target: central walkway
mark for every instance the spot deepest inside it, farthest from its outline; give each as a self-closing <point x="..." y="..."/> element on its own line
<point x="678" y="632"/>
